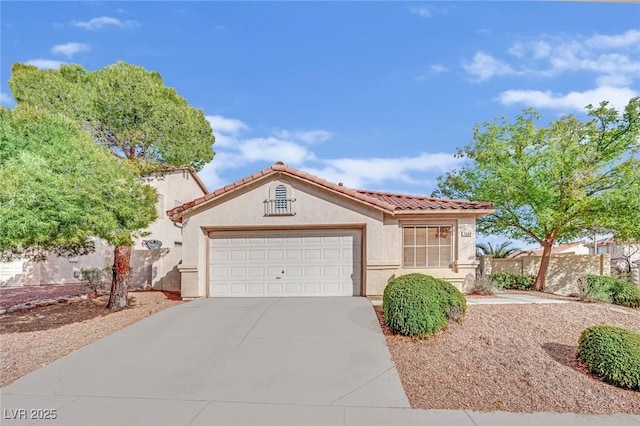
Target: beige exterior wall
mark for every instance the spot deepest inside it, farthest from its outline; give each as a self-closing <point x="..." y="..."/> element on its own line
<point x="173" y="189"/>
<point x="564" y="271"/>
<point x="319" y="207"/>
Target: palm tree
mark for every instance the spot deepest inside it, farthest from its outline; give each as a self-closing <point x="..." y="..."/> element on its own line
<point x="498" y="252"/>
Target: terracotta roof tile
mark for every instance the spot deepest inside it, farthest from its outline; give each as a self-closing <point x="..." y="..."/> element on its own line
<point x="419" y="202"/>
<point x="385" y="201"/>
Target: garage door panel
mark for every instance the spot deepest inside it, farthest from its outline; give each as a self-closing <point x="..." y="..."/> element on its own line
<point x="238" y="255"/>
<point x="312" y="254"/>
<point x="275" y="254"/>
<point x="293" y="254"/>
<point x="275" y="288"/>
<point x="255" y="289"/>
<point x="285" y="263"/>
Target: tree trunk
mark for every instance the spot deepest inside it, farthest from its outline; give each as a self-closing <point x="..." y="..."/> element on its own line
<point x="541" y="278"/>
<point x="120" y="282"/>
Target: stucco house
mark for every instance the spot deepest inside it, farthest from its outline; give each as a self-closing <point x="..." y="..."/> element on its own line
<point x="622" y="253"/>
<point x="283" y="232"/>
<point x="157" y="267"/>
<point x="572" y="248"/>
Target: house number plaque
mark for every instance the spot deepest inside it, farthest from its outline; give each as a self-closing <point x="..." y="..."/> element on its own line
<point x="465" y="233"/>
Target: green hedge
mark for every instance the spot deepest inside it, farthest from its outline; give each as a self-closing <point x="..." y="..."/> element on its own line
<point x="612" y="353"/>
<point x="611" y="290"/>
<point x="419" y="305"/>
<point x="509" y="281"/>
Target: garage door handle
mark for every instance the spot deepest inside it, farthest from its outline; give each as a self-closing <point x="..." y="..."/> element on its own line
<point x="277" y="278"/>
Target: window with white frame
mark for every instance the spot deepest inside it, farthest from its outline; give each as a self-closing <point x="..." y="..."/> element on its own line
<point x="427" y="246"/>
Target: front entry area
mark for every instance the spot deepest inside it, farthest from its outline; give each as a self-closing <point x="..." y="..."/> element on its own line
<point x="281" y="263"/>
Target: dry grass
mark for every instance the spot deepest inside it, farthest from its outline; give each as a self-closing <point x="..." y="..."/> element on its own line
<point x="518" y="358"/>
<point x="30" y="339"/>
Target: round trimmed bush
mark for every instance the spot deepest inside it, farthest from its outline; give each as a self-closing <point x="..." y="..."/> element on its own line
<point x="612" y="353"/>
<point x="419" y="305"/>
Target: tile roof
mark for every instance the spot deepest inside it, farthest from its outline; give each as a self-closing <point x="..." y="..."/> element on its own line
<point x="419" y="202"/>
<point x="386" y="201"/>
<point x="608" y="241"/>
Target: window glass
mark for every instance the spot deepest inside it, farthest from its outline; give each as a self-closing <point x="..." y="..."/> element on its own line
<point x="409" y="253"/>
<point x="427" y="246"/>
<point x="421" y="257"/>
<point x="408" y="235"/>
<point x="445" y="256"/>
<point x="433" y="235"/>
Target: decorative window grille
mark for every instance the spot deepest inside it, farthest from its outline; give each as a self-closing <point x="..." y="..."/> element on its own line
<point x="280" y="205"/>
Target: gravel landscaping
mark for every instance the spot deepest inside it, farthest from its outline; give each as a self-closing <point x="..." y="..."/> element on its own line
<point x="518" y="358"/>
<point x="32" y="338"/>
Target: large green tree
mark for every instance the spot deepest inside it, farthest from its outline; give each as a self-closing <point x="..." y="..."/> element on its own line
<point x="59" y="188"/>
<point x="130" y="111"/>
<point x="550" y="184"/>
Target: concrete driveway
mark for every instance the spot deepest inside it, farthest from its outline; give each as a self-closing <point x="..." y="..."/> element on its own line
<point x="221" y="361"/>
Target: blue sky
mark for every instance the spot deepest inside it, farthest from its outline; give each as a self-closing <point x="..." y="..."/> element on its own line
<point x="377" y="95"/>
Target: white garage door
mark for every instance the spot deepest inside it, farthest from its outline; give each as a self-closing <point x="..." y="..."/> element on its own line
<point x="285" y="263"/>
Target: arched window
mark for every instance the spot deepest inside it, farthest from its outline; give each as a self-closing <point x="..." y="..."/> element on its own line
<point x="280" y="201"/>
<point x="281" y="197"/>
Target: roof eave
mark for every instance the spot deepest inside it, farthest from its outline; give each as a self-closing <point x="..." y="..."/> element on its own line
<point x="480" y="212"/>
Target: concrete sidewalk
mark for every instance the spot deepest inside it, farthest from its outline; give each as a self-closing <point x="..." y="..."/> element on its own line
<point x="502" y="298"/>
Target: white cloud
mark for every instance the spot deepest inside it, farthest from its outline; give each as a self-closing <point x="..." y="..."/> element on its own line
<point x="235" y="152"/>
<point x="630" y="38"/>
<point x="356" y="172"/>
<point x="484" y="67"/>
<point x="210" y="174"/>
<point x="273" y="149"/>
<point x="539" y="49"/>
<point x="103" y="22"/>
<point x="438" y="68"/>
<point x="617" y="97"/>
<point x="612" y="59"/>
<point x="69" y="49"/>
<point x="308" y="137"/>
<point x="221" y="124"/>
<point x="45" y="63"/>
<point x="6" y="100"/>
<point x="423" y="11"/>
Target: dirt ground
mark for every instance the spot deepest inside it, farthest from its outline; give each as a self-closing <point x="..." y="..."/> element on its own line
<point x="30" y="339"/>
<point x="518" y="358"/>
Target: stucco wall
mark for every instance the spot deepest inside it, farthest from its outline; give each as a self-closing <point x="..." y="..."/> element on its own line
<point x="174" y="189"/>
<point x="157" y="268"/>
<point x="564" y="270"/>
<point x="316" y="206"/>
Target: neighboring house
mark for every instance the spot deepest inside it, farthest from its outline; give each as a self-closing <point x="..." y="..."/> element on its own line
<point x="576" y="247"/>
<point x="156" y="267"/>
<point x="283" y="232"/>
<point x="620" y="252"/>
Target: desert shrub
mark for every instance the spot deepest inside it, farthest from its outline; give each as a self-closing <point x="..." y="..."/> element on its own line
<point x="94" y="279"/>
<point x="419" y="305"/>
<point x="509" y="281"/>
<point x="612" y="353"/>
<point x="483" y="286"/>
<point x="611" y="290"/>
